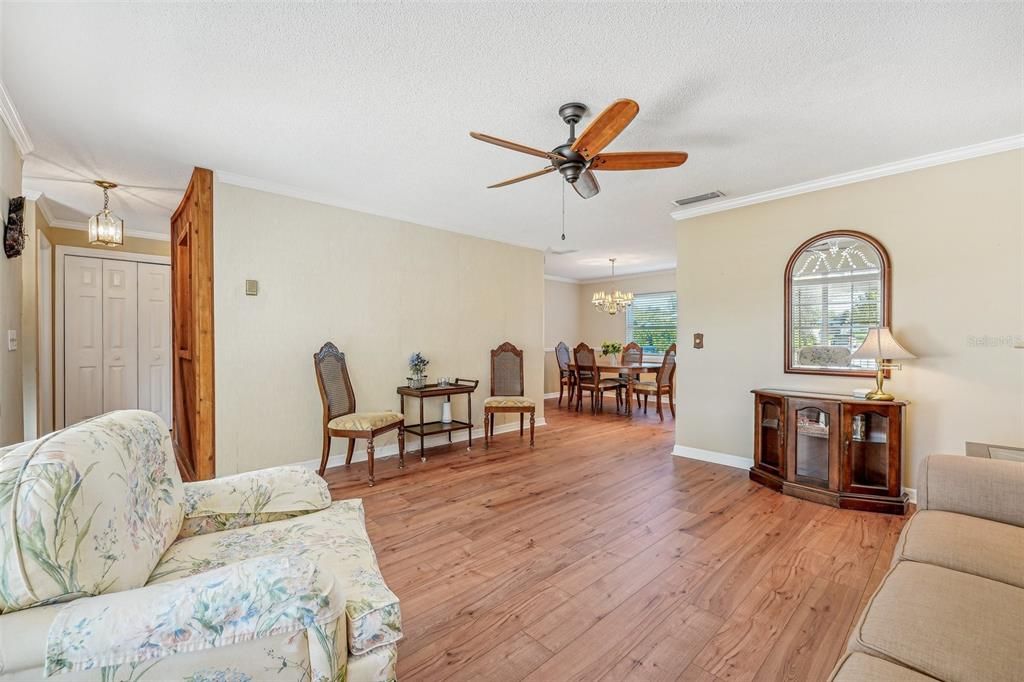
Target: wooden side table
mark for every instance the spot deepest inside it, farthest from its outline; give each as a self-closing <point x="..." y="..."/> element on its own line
<point x="424" y="429"/>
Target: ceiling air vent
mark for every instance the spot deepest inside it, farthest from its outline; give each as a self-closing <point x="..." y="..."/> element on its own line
<point x="698" y="198"/>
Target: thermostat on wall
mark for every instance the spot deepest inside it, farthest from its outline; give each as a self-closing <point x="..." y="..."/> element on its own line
<point x="252" y="287"/>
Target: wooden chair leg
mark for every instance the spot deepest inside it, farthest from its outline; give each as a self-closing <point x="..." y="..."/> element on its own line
<point x="401" y="447"/>
<point x="672" y="403"/>
<point x="351" y="451"/>
<point x="325" y="453"/>
<point x="487" y="428"/>
<point x="531" y="426"/>
<point x="493" y="415"/>
<point x="645" y="403"/>
<point x="521" y="424"/>
<point x="661" y="415"/>
<point x="637" y="399"/>
<point x="561" y="388"/>
<point x="369" y="457"/>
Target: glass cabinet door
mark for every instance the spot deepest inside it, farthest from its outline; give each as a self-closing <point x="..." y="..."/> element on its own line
<point x="770" y="435"/>
<point x="870" y="437"/>
<point x="814" y="432"/>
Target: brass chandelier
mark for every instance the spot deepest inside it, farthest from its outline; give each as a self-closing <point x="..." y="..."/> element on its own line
<point x="613" y="302"/>
<point x="105" y="227"/>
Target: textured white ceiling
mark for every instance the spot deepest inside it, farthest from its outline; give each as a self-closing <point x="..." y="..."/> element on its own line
<point x="370" y="104"/>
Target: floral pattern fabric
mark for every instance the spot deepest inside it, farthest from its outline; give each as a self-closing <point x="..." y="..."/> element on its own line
<point x="92" y="509"/>
<point x="247" y="600"/>
<point x="334" y="539"/>
<point x="252" y="498"/>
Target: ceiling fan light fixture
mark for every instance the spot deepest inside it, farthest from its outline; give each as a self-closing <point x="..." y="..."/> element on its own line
<point x="105" y="228"/>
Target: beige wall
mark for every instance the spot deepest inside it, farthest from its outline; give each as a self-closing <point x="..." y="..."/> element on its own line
<point x="955" y="234"/>
<point x="380" y="289"/>
<point x="597" y="327"/>
<point x="561" y="323"/>
<point x="10" y="300"/>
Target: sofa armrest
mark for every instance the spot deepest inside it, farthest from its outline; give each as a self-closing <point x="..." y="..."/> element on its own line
<point x="252" y="498"/>
<point x="252" y="599"/>
<point x="986" y="488"/>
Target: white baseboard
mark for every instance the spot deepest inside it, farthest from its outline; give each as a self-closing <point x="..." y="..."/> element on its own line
<point x="412" y="445"/>
<point x="715" y="457"/>
<point x="550" y="395"/>
<point x="742" y="462"/>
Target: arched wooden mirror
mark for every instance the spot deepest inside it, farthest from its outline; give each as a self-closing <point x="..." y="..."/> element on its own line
<point x="838" y="285"/>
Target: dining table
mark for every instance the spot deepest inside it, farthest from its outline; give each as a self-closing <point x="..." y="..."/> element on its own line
<point x="612" y="365"/>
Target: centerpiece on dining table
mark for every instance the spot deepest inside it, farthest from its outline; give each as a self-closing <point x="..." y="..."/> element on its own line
<point x="610" y="348"/>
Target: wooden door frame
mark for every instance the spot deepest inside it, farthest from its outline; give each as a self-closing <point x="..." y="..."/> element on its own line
<point x="58" y="297"/>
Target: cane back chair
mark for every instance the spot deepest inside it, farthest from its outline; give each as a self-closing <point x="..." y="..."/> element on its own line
<point x="588" y="378"/>
<point x="631" y="352"/>
<point x="340" y="417"/>
<point x="507" y="391"/>
<point x="663" y="384"/>
<point x="566" y="377"/>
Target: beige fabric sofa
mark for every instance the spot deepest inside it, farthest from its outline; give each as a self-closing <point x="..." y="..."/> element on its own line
<point x="951" y="607"/>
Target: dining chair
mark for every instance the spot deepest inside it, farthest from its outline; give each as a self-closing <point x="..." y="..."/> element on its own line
<point x="588" y="378"/>
<point x="507" y="391"/>
<point x="566" y="377"/>
<point x="340" y="417"/>
<point x="663" y="384"/>
<point x="631" y="352"/>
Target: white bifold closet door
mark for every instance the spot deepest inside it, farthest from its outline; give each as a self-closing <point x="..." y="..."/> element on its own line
<point x="117" y="337"/>
<point x="155" y="339"/>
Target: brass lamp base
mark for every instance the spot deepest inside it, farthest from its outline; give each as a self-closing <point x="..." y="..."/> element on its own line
<point x="878" y="393"/>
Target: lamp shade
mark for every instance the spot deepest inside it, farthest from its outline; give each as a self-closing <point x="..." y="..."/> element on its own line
<point x="880" y="344"/>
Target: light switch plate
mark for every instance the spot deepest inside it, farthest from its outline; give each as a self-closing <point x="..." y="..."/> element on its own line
<point x="252" y="287"/>
<point x="698" y="340"/>
<point x="12" y="339"/>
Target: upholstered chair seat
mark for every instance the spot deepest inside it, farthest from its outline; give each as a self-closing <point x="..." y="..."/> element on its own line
<point x="508" y="401"/>
<point x="364" y="421"/>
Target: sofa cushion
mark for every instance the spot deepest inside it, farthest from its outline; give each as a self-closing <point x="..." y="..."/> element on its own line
<point x="946" y="624"/>
<point x="335" y="539"/>
<point x="858" y="667"/>
<point x="964" y="543"/>
<point x="94" y="507"/>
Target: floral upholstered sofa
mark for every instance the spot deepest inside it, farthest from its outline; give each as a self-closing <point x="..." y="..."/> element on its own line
<point x="111" y="569"/>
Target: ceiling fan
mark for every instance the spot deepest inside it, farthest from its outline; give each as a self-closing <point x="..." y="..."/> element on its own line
<point x="578" y="157"/>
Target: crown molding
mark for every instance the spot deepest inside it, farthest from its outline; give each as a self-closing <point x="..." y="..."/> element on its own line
<point x="632" y="275"/>
<point x="1003" y="144"/>
<point x="558" y="278"/>
<point x="140" y="234"/>
<point x="13" y="121"/>
<point x="32" y="194"/>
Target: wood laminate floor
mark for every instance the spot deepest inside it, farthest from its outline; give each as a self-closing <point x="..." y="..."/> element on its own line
<point x="600" y="556"/>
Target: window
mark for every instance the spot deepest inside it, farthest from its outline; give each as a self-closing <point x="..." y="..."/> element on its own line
<point x="836" y="286"/>
<point x="651" y="321"/>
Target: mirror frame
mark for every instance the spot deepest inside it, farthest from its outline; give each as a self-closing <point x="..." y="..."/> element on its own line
<point x="886" y="276"/>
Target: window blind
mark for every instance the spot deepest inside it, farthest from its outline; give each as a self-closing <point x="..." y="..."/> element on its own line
<point x="651" y="321"/>
<point x="834" y="310"/>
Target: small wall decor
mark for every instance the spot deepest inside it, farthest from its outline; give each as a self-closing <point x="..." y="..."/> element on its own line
<point x="14" y="231"/>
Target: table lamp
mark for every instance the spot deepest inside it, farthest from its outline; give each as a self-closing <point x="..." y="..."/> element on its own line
<point x="880" y="346"/>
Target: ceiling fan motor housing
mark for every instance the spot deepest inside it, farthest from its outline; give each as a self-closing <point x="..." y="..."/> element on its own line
<point x="574" y="163"/>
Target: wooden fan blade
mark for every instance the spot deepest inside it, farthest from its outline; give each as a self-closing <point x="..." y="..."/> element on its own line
<point x="627" y="161"/>
<point x="516" y="147"/>
<point x="587" y="185"/>
<point x="513" y="181"/>
<point x="605" y="128"/>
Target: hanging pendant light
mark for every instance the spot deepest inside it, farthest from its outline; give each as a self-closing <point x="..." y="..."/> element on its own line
<point x="105" y="227"/>
<point x="614" y="302"/>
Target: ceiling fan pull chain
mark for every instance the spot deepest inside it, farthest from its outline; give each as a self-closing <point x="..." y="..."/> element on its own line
<point x="563" y="210"/>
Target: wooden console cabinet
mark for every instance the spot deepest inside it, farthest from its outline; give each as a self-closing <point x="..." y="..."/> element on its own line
<point x="831" y="449"/>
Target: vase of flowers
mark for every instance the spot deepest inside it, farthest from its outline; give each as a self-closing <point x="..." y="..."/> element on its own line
<point x="611" y="348"/>
<point x="417" y="367"/>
